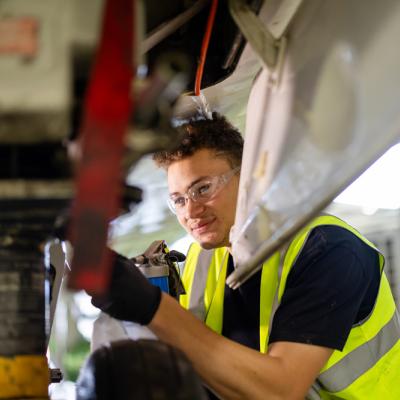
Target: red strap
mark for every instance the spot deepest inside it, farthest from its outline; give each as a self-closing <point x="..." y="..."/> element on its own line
<point x="108" y="107"/>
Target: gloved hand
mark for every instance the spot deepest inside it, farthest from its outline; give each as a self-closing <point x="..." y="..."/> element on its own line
<point x="131" y="296"/>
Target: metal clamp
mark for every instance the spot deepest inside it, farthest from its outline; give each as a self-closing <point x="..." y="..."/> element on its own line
<point x="268" y="42"/>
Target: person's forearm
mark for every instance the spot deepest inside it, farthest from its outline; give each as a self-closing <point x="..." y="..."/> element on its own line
<point x="230" y="369"/>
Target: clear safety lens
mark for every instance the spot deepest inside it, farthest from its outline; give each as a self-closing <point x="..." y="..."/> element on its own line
<point x="201" y="191"/>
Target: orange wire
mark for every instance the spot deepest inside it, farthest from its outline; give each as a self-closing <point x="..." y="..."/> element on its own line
<point x="204" y="47"/>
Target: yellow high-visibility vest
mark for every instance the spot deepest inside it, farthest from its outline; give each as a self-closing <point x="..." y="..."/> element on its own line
<point x="368" y="367"/>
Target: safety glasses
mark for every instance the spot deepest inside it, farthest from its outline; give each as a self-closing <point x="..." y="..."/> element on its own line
<point x="201" y="191"/>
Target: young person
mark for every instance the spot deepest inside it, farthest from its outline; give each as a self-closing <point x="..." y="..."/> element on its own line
<point x="317" y="320"/>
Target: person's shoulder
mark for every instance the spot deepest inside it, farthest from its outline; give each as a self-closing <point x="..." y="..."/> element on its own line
<point x="332" y="253"/>
<point x="338" y="236"/>
<point x="335" y="233"/>
<point x="327" y="246"/>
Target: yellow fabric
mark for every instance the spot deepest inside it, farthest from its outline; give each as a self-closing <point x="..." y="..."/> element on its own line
<point x="269" y="286"/>
<point x="214" y="294"/>
<point x="382" y="313"/>
<point x="369" y="385"/>
<point x="24" y="376"/>
<point x="188" y="274"/>
<point x="215" y="287"/>
<point x="380" y="382"/>
<point x="297" y="244"/>
<point x="383" y="309"/>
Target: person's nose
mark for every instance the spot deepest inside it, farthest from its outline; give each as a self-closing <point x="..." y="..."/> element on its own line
<point x="193" y="209"/>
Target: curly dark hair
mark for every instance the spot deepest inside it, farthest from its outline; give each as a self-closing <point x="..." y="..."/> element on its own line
<point x="214" y="134"/>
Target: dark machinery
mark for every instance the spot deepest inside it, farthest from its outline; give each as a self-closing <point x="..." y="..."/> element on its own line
<point x="50" y="128"/>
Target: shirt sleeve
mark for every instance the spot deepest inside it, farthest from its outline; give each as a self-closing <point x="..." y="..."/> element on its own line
<point x="332" y="285"/>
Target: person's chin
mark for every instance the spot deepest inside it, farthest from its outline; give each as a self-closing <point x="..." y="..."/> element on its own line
<point x="210" y="242"/>
<point x="207" y="245"/>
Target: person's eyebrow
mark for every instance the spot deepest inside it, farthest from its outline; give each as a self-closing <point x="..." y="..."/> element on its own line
<point x="190" y="185"/>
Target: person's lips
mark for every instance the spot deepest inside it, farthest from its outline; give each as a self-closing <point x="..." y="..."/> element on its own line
<point x="201" y="226"/>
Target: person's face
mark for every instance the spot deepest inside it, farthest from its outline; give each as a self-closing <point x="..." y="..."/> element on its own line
<point x="210" y="222"/>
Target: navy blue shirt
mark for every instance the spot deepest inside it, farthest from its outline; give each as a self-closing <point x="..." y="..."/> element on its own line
<point x="332" y="286"/>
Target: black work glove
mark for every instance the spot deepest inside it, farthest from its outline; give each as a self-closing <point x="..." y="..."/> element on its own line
<point x="131" y="296"/>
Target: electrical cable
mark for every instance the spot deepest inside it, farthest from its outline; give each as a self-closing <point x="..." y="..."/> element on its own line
<point x="204" y="47"/>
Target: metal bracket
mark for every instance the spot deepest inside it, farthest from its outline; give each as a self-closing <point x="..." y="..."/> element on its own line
<point x="255" y="32"/>
<point x="267" y="42"/>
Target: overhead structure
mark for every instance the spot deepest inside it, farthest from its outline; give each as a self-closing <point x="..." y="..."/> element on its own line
<point x="333" y="111"/>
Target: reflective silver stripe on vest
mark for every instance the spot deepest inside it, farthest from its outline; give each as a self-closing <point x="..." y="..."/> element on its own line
<point x="196" y="301"/>
<point x="356" y="363"/>
<point x="314" y="392"/>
